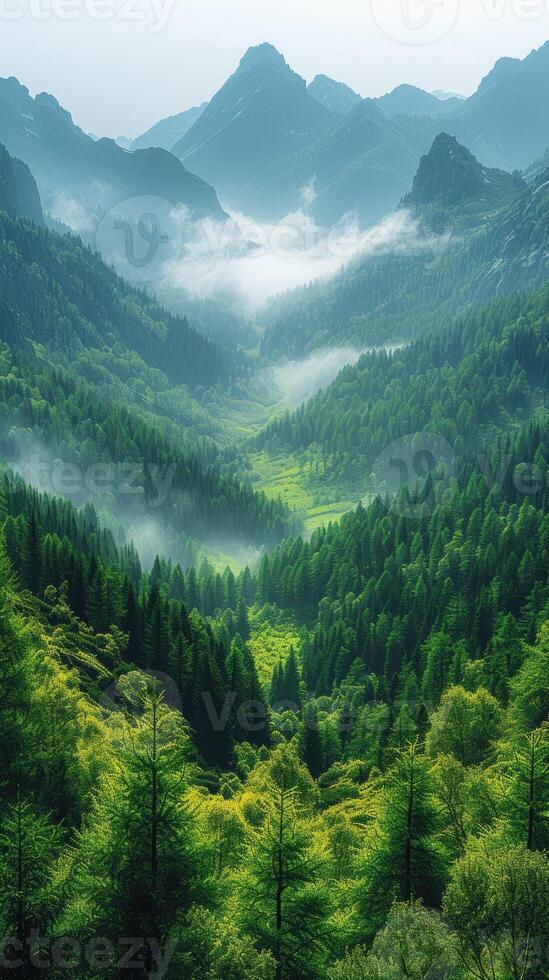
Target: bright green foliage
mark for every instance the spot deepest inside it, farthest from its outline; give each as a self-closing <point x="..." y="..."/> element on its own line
<point x="133" y="865"/>
<point x="284" y="906"/>
<point x="525" y="789"/>
<point x="29" y="846"/>
<point x="465" y="725"/>
<point x="406" y="859"/>
<point x="286" y="772"/>
<point x="497" y="902"/>
<point x="415" y="943"/>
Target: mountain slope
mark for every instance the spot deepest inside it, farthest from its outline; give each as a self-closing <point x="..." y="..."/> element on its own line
<point x="335" y="96"/>
<point x="261" y="114"/>
<point x="364" y="165"/>
<point x="424" y="385"/>
<point x="65" y="161"/>
<point x="166" y="133"/>
<point x="390" y="297"/>
<point x="93" y="371"/>
<point x="19" y="195"/>
<point x="58" y="295"/>
<point x="506" y="122"/>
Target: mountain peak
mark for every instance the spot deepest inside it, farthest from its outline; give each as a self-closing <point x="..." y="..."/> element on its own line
<point x="333" y="95"/>
<point x="263" y="55"/>
<point x="450" y="175"/>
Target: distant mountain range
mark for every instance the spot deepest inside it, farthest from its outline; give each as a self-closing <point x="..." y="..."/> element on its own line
<point x="407" y="100"/>
<point x="64" y="160"/>
<point x="365" y="164"/>
<point x="266" y="137"/>
<point x="506" y="122"/>
<point x="270" y="144"/>
<point x="441" y="94"/>
<point x="168" y="132"/>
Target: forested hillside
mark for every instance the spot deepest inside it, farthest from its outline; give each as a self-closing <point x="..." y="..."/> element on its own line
<point x="143" y="469"/>
<point x="95" y="373"/>
<point x="483" y="374"/>
<point x="57" y="293"/>
<point x="418" y="784"/>
<point x="465" y="253"/>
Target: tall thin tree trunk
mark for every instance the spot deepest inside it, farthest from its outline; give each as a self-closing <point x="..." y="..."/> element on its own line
<point x="409" y="826"/>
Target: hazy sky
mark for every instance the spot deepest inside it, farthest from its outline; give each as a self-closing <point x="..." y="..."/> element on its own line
<point x="120" y="65"/>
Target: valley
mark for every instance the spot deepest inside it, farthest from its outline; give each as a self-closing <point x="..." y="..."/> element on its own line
<point x="274" y="530"/>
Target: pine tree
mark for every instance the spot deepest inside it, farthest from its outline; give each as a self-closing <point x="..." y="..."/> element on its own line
<point x="34" y="554"/>
<point x="133" y="867"/>
<point x="29" y="846"/>
<point x="311" y="742"/>
<point x="407" y="861"/>
<point x="283" y="898"/>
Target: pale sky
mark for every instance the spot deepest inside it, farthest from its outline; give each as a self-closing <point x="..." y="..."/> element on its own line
<point x="120" y="65"/>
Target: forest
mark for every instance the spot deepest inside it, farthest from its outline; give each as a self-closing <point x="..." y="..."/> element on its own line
<point x="274" y="697"/>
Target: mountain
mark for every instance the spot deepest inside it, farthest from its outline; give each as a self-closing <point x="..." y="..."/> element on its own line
<point x="506" y="122"/>
<point x="367" y="161"/>
<point x="495" y="241"/>
<point x="450" y="176"/>
<point x="19" y="195"/>
<point x="441" y="94"/>
<point x="364" y="165"/>
<point x="8" y="187"/>
<point x="92" y="369"/>
<point x="407" y="100"/>
<point x="65" y="161"/>
<point x="168" y="132"/>
<point x="260" y="115"/>
<point x="56" y="293"/>
<point x="335" y="96"/>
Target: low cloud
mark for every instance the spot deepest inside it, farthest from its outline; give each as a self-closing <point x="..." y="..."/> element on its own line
<point x="300" y="380"/>
<point x="245" y="262"/>
<point x="240" y="262"/>
<point x="72" y="213"/>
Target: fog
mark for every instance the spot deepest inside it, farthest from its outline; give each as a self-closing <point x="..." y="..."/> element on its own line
<point x="245" y="262"/>
<point x="239" y="262"/>
<point x="119" y="506"/>
<point x="300" y="380"/>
